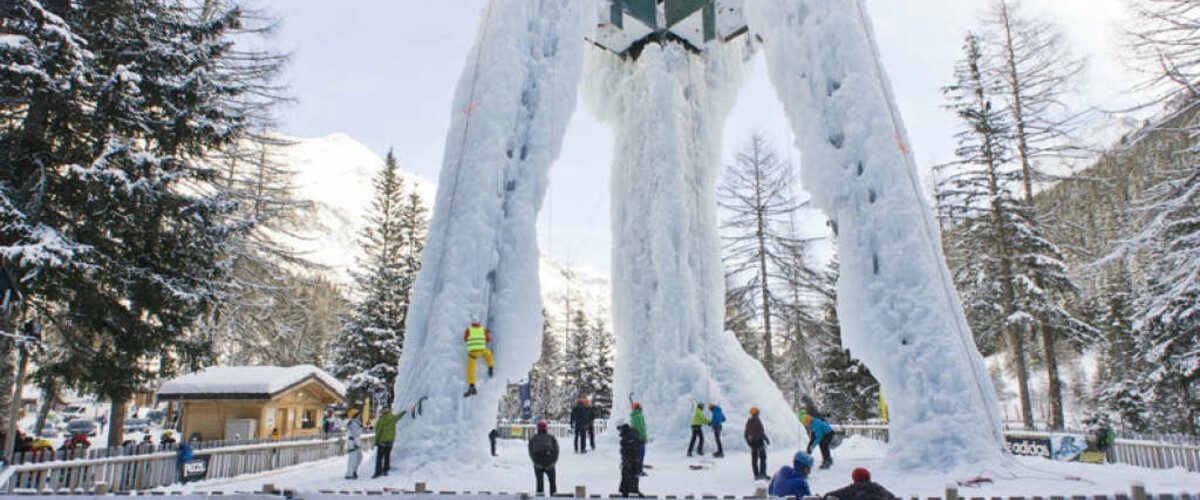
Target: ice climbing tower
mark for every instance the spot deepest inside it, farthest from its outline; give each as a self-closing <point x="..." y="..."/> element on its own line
<point x="664" y="74"/>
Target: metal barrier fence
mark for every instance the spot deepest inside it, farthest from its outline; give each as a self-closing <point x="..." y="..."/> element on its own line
<point x="1149" y="454"/>
<point x="523" y="430"/>
<point x="126" y="473"/>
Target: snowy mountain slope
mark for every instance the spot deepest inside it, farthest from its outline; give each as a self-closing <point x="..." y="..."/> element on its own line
<point x="336" y="172"/>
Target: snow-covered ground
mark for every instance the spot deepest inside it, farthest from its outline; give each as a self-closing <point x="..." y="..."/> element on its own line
<point x="599" y="472"/>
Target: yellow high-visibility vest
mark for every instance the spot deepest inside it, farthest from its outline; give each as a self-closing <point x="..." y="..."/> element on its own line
<point x="476" y="339"/>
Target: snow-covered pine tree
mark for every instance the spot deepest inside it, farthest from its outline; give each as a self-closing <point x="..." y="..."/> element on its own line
<point x="373" y="333"/>
<point x="973" y="193"/>
<point x="545" y="391"/>
<point x="577" y="370"/>
<point x="41" y="73"/>
<point x="1119" y="398"/>
<point x="601" y="368"/>
<point x="1031" y="60"/>
<point x="1012" y="279"/>
<point x="1166" y="315"/>
<point x="129" y="125"/>
<point x="756" y="196"/>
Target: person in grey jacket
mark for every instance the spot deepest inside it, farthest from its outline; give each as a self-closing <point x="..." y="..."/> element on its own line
<point x="354" y="429"/>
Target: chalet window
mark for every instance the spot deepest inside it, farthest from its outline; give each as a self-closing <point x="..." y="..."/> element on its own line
<point x="309" y="419"/>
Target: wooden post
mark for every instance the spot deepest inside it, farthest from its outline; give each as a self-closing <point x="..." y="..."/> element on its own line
<point x="581" y="491"/>
<point x="760" y="492"/>
<point x="952" y="491"/>
<point x="420" y="487"/>
<point x="1139" y="491"/>
<point x="101" y="489"/>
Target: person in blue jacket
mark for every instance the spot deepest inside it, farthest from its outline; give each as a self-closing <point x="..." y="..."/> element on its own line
<point x="793" y="481"/>
<point x="717" y="420"/>
<point x="821" y="434"/>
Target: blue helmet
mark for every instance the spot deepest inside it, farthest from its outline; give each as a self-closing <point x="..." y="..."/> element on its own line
<point x="802" y="459"/>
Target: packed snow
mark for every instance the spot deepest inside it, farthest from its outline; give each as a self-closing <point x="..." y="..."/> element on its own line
<point x="898" y="308"/>
<point x="246" y="380"/>
<point x="670" y="474"/>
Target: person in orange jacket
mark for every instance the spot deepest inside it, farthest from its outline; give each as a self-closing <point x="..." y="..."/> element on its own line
<point x="477" y="338"/>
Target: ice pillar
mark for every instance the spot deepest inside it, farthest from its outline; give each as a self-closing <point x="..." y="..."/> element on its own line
<point x="511" y="108"/>
<point x="899" y="311"/>
<point x="667" y="108"/>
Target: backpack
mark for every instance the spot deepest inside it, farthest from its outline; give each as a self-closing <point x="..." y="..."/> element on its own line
<point x="541" y="452"/>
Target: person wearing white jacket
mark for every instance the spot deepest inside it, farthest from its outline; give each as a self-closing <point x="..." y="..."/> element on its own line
<point x="354" y="429"/>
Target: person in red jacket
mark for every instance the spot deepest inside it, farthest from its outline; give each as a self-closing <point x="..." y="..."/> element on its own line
<point x="477" y="338"/>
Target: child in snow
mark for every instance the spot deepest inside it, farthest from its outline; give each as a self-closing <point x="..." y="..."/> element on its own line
<point x="638" y="422"/>
<point x="477" y="338"/>
<point x="861" y="489"/>
<point x="718" y="419"/>
<point x="354" y="429"/>
<point x="793" y="481"/>
<point x="631" y="465"/>
<point x="757" y="439"/>
<point x="543" y="451"/>
<point x="698" y="423"/>
<point x="820" y="434"/>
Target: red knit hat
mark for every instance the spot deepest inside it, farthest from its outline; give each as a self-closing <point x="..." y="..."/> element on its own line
<point x="861" y="475"/>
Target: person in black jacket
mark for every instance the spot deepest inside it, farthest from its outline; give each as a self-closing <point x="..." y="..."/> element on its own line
<point x="580" y="419"/>
<point x="543" y="450"/>
<point x="756" y="438"/>
<point x="862" y="489"/>
<point x="631" y="463"/>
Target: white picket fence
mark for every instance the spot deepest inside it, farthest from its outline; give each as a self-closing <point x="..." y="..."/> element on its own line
<point x="1149" y="454"/>
<point x="524" y="430"/>
<point x="141" y="472"/>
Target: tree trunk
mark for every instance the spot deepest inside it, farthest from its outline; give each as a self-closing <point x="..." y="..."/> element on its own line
<point x="116" y="419"/>
<point x="7" y="375"/>
<point x="49" y="396"/>
<point x="1054" y="384"/>
<point x="1016" y="342"/>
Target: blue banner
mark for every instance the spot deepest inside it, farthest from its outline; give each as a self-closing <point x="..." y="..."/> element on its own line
<point x="526" y="404"/>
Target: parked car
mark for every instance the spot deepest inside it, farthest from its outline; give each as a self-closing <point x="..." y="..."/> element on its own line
<point x="137" y="425"/>
<point x="83" y="426"/>
<point x="156" y="417"/>
<point x="74" y="412"/>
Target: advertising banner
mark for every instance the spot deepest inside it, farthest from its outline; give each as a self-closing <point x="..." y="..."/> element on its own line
<point x="1067" y="447"/>
<point x="195" y="469"/>
<point x="1028" y="447"/>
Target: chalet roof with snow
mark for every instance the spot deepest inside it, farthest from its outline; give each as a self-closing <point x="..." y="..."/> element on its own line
<point x="246" y="382"/>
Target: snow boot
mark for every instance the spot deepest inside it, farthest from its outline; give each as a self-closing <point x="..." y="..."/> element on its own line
<point x="719" y="454"/>
<point x="826" y="465"/>
<point x="470" y="391"/>
<point x="491" y="372"/>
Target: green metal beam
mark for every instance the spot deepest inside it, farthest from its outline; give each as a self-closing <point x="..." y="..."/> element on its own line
<point x="678" y="10"/>
<point x="642" y="10"/>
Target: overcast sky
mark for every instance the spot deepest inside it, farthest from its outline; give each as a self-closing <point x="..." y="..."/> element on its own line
<point x="383" y="71"/>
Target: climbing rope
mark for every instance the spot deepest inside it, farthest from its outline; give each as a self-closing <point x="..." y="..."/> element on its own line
<point x="911" y="171"/>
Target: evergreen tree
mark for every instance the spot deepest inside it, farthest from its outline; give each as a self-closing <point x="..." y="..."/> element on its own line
<point x="601" y="367"/>
<point x="548" y="399"/>
<point x="105" y="156"/>
<point x="1036" y="71"/>
<point x="1166" y="318"/>
<point x="846" y="387"/>
<point x="577" y="370"/>
<point x="373" y="333"/>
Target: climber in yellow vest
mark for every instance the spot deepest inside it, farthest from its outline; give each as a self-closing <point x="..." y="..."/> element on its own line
<point x="477" y="338"/>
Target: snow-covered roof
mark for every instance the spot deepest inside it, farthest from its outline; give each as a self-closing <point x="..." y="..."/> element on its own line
<point x="246" y="381"/>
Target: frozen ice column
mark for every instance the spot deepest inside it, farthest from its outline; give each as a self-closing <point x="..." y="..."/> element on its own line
<point x="510" y="111"/>
<point x="667" y="109"/>
<point x="898" y="308"/>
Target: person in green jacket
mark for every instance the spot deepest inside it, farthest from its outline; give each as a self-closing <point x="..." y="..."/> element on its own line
<point x="638" y="422"/>
<point x="385" y="436"/>
<point x="698" y="423"/>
